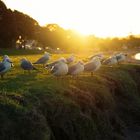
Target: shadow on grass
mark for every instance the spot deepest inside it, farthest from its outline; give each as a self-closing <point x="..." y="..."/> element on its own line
<point x="20" y="82"/>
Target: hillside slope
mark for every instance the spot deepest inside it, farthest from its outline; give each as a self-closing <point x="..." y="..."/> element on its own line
<point x="105" y="106"/>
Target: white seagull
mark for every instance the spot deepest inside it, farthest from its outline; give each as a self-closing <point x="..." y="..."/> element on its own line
<point x="44" y="59"/>
<point x="121" y="57"/>
<point x="50" y="65"/>
<point x="100" y="55"/>
<point x="27" y="65"/>
<point x="93" y="65"/>
<point x="76" y="68"/>
<point x="110" y="61"/>
<point x="5" y="66"/>
<point x="60" y="68"/>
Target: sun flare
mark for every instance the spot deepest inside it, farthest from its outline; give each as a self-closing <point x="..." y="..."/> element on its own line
<point x="137" y="56"/>
<point x="97" y="17"/>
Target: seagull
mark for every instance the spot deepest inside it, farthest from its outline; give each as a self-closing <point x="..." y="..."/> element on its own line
<point x="50" y="65"/>
<point x="43" y="60"/>
<point x="7" y="57"/>
<point x="5" y="66"/>
<point x="93" y="65"/>
<point x="100" y="55"/>
<point x="110" y="61"/>
<point x="121" y="57"/>
<point x="70" y="59"/>
<point x="76" y="68"/>
<point x="27" y="65"/>
<point x="60" y="68"/>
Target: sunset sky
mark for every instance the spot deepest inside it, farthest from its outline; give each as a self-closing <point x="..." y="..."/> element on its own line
<point x="102" y="18"/>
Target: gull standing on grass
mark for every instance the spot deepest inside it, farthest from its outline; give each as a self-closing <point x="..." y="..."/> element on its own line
<point x="121" y="57"/>
<point x="93" y="65"/>
<point x="110" y="61"/>
<point x="60" y="68"/>
<point x="100" y="55"/>
<point x="5" y="66"/>
<point x="43" y="60"/>
<point x="26" y="65"/>
<point x="76" y="68"/>
<point x="50" y="65"/>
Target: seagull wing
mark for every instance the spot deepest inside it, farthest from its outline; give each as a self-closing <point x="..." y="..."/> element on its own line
<point x="51" y="64"/>
<point x="72" y="69"/>
<point x="2" y="67"/>
<point x="118" y="57"/>
<point x="41" y="60"/>
<point x="70" y="59"/>
<point x="54" y="68"/>
<point x="27" y="65"/>
<point x="107" y="61"/>
<point x="89" y="66"/>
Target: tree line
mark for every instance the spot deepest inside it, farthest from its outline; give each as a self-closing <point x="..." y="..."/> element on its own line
<point x="15" y="24"/>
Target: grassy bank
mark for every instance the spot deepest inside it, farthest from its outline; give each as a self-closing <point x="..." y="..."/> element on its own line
<point x="38" y="106"/>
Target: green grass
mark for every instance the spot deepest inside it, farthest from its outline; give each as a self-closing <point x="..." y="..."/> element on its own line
<point x="19" y="52"/>
<point x="40" y="106"/>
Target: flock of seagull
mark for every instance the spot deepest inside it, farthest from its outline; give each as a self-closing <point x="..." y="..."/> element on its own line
<point x="64" y="66"/>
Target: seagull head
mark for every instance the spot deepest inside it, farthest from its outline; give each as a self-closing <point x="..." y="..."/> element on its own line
<point x="23" y="59"/>
<point x="81" y="62"/>
<point x="7" y="60"/>
<point x="47" y="54"/>
<point x="62" y="59"/>
<point x="96" y="58"/>
<point x="5" y="56"/>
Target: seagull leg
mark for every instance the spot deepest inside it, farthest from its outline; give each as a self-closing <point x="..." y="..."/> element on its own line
<point x="77" y="77"/>
<point x="29" y="72"/>
<point x="2" y="76"/>
<point x="43" y="65"/>
<point x="47" y="71"/>
<point x="63" y="79"/>
<point x="73" y="79"/>
<point x="58" y="79"/>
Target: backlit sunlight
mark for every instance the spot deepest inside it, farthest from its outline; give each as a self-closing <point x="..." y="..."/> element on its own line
<point x="137" y="56"/>
<point x="102" y="18"/>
